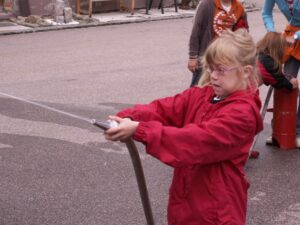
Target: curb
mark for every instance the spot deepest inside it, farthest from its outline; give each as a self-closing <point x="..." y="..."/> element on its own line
<point x="96" y="24"/>
<point x="116" y="22"/>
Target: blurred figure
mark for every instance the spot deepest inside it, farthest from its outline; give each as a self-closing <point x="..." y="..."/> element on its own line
<point x="211" y="19"/>
<point x="291" y="11"/>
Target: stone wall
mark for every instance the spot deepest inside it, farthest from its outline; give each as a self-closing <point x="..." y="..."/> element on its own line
<point x="39" y="7"/>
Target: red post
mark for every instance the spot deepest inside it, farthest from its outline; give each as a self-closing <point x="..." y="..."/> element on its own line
<point x="285" y="118"/>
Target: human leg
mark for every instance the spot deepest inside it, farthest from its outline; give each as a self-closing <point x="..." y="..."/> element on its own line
<point x="196" y="77"/>
<point x="291" y="69"/>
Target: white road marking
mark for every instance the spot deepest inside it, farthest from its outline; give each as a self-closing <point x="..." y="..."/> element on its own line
<point x="257" y="196"/>
<point x="56" y="131"/>
<point x="5" y="146"/>
<point x="290" y="216"/>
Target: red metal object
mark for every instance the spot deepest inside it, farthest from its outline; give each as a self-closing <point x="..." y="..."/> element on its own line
<point x="254" y="154"/>
<point x="284" y="118"/>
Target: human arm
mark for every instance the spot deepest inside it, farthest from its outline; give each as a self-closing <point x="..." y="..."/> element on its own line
<point x="225" y="137"/>
<point x="291" y="39"/>
<point x="267" y="15"/>
<point x="271" y="75"/>
<point x="168" y="111"/>
<point x="201" y="31"/>
<point x="125" y="129"/>
<point x="294" y="82"/>
<point x="193" y="64"/>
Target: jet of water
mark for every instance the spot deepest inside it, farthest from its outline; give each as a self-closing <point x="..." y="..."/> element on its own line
<point x="92" y="121"/>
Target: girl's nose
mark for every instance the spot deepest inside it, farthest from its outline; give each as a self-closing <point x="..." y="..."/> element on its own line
<point x="214" y="75"/>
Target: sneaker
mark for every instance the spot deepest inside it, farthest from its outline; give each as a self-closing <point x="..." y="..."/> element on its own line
<point x="269" y="141"/>
<point x="254" y="155"/>
<point x="298" y="142"/>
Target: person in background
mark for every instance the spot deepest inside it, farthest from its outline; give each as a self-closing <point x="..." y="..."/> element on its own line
<point x="291" y="11"/>
<point x="270" y="51"/>
<point x="211" y="19"/>
<point x="205" y="134"/>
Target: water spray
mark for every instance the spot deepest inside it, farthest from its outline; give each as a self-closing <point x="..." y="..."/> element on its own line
<point x="132" y="149"/>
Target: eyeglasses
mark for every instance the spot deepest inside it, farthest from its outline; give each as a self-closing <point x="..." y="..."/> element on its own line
<point x="220" y="70"/>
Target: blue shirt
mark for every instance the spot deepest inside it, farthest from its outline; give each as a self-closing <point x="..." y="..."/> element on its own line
<point x="267" y="14"/>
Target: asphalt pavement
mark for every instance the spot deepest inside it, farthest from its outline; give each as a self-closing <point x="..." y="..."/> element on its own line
<point x="55" y="169"/>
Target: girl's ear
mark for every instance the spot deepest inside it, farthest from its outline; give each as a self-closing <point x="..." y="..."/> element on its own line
<point x="247" y="71"/>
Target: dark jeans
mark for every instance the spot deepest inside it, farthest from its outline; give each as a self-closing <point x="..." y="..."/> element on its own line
<point x="291" y="69"/>
<point x="196" y="77"/>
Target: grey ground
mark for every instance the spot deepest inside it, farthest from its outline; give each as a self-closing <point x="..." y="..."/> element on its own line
<point x="59" y="170"/>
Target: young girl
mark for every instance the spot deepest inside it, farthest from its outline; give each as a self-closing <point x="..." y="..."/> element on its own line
<point x="290" y="9"/>
<point x="205" y="134"/>
<point x="270" y="51"/>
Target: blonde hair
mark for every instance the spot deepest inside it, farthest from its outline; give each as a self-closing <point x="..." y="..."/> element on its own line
<point x="231" y="48"/>
<point x="273" y="44"/>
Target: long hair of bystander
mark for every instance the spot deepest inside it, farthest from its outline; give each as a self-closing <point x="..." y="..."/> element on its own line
<point x="273" y="44"/>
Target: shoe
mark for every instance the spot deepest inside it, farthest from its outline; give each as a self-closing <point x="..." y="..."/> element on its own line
<point x="254" y="155"/>
<point x="269" y="141"/>
<point x="298" y="142"/>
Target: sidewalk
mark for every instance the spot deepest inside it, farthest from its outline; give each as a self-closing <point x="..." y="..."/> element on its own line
<point x="101" y="19"/>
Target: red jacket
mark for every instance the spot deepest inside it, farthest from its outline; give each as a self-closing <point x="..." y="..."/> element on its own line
<point x="270" y="74"/>
<point x="208" y="146"/>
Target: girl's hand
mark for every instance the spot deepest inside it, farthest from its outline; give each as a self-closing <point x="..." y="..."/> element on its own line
<point x="290" y="40"/>
<point x="122" y="132"/>
<point x="192" y="64"/>
<point x="294" y="82"/>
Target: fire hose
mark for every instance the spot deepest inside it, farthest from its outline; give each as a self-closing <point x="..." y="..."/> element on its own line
<point x="138" y="169"/>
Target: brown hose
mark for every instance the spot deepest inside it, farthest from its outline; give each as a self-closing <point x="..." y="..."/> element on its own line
<point x="139" y="173"/>
<point x="138" y="170"/>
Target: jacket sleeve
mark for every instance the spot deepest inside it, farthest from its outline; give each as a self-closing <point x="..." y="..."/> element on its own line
<point x="266" y="77"/>
<point x="198" y="34"/>
<point x="226" y="137"/>
<point x="270" y="74"/>
<point x="242" y="23"/>
<point x="167" y="111"/>
<point x="267" y="15"/>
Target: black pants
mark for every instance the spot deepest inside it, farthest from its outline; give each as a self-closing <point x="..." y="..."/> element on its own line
<point x="291" y="69"/>
<point x="196" y="77"/>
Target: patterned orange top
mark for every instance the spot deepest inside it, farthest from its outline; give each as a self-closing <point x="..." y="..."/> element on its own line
<point x="226" y="20"/>
<point x="293" y="50"/>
